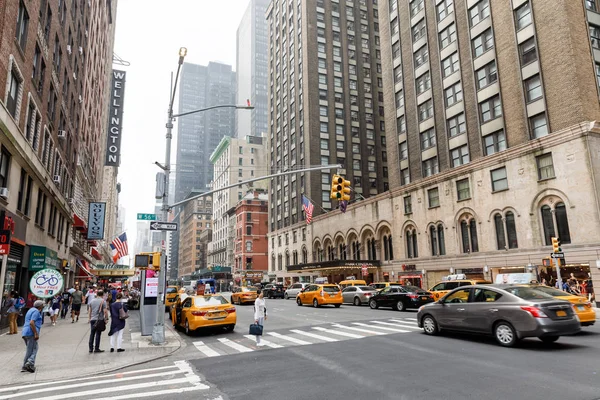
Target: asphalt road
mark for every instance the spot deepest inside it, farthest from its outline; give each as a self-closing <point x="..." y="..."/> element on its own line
<point x="355" y="353"/>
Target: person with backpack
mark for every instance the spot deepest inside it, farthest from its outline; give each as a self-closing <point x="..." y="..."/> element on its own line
<point x="15" y="303"/>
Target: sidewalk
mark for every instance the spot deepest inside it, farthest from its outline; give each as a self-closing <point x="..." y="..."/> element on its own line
<point x="64" y="353"/>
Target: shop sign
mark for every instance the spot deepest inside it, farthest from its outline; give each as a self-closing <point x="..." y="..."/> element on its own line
<point x="251" y="275"/>
<point x="410" y="267"/>
<point x="470" y="271"/>
<point x="42" y="257"/>
<point x="365" y="270"/>
<point x="515" y="278"/>
<point x="5" y="241"/>
<point x="46" y="283"/>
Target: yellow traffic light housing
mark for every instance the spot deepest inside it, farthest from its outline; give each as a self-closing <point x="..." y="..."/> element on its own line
<point x="148" y="261"/>
<point x="345" y="190"/>
<point x="556" y="245"/>
<point x="336" y="187"/>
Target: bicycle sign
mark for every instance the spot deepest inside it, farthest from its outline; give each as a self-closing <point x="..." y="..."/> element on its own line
<point x="46" y="283"/>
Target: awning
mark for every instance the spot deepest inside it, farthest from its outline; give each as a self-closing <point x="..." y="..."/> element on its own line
<point x="96" y="255"/>
<point x="84" y="271"/>
<point x="93" y="243"/>
<point x="409" y="276"/>
<point x="79" y="223"/>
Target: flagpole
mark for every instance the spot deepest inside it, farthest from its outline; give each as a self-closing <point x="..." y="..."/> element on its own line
<point x="312" y="201"/>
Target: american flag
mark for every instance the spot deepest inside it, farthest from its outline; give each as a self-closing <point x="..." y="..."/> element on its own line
<point x="119" y="247"/>
<point x="308" y="208"/>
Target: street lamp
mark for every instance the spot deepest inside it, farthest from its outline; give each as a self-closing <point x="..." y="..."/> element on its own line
<point x="158" y="331"/>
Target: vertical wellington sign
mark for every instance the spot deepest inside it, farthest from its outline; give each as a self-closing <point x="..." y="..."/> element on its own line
<point x="115" y="119"/>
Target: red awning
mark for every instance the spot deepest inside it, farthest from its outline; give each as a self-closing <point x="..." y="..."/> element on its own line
<point x="93" y="243"/>
<point x="79" y="222"/>
<point x="84" y="269"/>
<point x="96" y="255"/>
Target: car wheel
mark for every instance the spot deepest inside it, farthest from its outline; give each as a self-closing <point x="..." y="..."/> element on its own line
<point x="337" y="305"/>
<point x="285" y="296"/>
<point x="298" y="301"/>
<point x="187" y="327"/>
<point x="315" y="303"/>
<point x="549" y="339"/>
<point x="231" y="300"/>
<point x="357" y="301"/>
<point x="505" y="334"/>
<point x="430" y="326"/>
<point x="230" y="328"/>
<point x="373" y="304"/>
<point x="400" y="306"/>
<point x="239" y="301"/>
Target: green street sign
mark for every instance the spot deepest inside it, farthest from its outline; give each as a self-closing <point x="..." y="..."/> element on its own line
<point x="146" y="217"/>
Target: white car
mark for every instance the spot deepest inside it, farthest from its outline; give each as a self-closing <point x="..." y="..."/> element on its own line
<point x="292" y="291"/>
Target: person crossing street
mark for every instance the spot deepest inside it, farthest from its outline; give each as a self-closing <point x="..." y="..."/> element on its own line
<point x="260" y="313"/>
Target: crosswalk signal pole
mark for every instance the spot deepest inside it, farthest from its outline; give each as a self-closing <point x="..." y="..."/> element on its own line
<point x="556" y="249"/>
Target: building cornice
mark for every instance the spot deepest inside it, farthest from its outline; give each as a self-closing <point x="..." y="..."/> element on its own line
<point x="223" y="144"/>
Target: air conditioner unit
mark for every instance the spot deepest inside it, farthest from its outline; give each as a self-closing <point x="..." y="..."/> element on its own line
<point x="69" y="49"/>
<point x="4" y="193"/>
<point x="71" y="202"/>
<point x="62" y="134"/>
<point x="56" y="179"/>
<point x="80" y="99"/>
<point x="80" y="50"/>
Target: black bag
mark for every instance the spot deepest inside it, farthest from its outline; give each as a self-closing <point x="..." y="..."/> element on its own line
<point x="256" y="330"/>
<point x="100" y="325"/>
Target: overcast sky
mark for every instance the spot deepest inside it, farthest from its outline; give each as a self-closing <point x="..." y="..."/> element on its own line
<point x="149" y="35"/>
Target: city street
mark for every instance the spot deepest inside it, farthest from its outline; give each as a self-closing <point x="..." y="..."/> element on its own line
<point x="350" y="352"/>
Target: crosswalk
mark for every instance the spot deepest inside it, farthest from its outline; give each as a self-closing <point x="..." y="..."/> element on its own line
<point x="334" y="332"/>
<point x="150" y="382"/>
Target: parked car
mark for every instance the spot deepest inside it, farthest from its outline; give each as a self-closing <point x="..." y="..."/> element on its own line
<point x="292" y="291"/>
<point x="358" y="295"/>
<point x="381" y="285"/>
<point x="508" y="312"/>
<point x="401" y="297"/>
<point x="440" y="289"/>
<point x="319" y="295"/>
<point x="352" y="282"/>
<point x="244" y="294"/>
<point x="274" y="290"/>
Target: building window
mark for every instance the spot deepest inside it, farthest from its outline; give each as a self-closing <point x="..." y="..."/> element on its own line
<point x="444" y="9"/>
<point x="415" y="7"/>
<point x="463" y="191"/>
<point x="14" y="91"/>
<point x="401" y="122"/>
<point x="468" y="230"/>
<point x="418" y="31"/>
<point x="494" y="142"/>
<point x="595" y="36"/>
<point x="304" y="255"/>
<point x="423" y="83"/>
<point x="248" y="245"/>
<point x="500" y="237"/>
<point x="590" y="5"/>
<point x="427" y="139"/>
<point x="527" y="51"/>
<point x="548" y="224"/>
<point x="433" y="197"/>
<point x="456" y="125"/>
<point x="479" y="11"/>
<point x="499" y="179"/>
<point x="486" y="75"/>
<point x="430" y="167"/>
<point x="523" y="16"/>
<point x="396" y="50"/>
<point x="425" y="110"/>
<point x="453" y="94"/>
<point x="545" y="166"/>
<point x="404" y="177"/>
<point x="511" y="230"/>
<point x="483" y="43"/>
<point x="533" y="88"/>
<point x="560" y="225"/>
<point x="407" y="204"/>
<point x="460" y="156"/>
<point x="22" y="25"/>
<point x="399" y="99"/>
<point x="447" y="36"/>
<point x="403" y="147"/>
<point x="412" y="249"/>
<point x="4" y="167"/>
<point x="421" y="56"/>
<point x="490" y="109"/>
<point x="398" y="74"/>
<point x="450" y="64"/>
<point x="538" y="125"/>
<point x="248" y="229"/>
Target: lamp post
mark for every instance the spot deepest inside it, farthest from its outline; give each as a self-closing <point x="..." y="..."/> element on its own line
<point x="158" y="331"/>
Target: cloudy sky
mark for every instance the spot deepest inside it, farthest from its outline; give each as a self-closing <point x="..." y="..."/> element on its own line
<point x="149" y="35"/>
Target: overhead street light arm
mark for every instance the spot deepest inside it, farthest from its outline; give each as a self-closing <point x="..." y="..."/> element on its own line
<point x="213" y="107"/>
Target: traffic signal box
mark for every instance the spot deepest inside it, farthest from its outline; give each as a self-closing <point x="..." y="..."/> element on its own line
<point x="145" y="261"/>
<point x="340" y="188"/>
<point x="556" y="245"/>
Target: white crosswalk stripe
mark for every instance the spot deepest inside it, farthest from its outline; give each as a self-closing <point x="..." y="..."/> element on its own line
<point x="333" y="332"/>
<point x="161" y="381"/>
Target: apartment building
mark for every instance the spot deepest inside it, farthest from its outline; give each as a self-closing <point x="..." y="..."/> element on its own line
<point x="195" y="218"/>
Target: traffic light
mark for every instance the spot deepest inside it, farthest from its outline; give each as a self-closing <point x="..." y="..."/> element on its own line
<point x="336" y="187"/>
<point x="148" y="261"/>
<point x="556" y="245"/>
<point x="345" y="189"/>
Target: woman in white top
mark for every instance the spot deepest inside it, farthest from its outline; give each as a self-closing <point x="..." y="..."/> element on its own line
<point x="260" y="313"/>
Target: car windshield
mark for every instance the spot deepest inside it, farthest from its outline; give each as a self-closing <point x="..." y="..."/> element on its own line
<point x="249" y="289"/>
<point x="527" y="293"/>
<point x="366" y="288"/>
<point x="171" y="290"/>
<point x="551" y="291"/>
<point x="413" y="289"/>
<point x="331" y="289"/>
<point x="203" y="301"/>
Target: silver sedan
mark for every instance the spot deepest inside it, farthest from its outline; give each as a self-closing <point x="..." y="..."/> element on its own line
<point x="358" y="295"/>
<point x="508" y="312"/>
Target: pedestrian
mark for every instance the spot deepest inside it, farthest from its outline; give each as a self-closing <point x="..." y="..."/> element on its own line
<point x="13" y="312"/>
<point x="117" y="324"/>
<point x="76" y="300"/>
<point x="113" y="294"/>
<point x="98" y="316"/>
<point x="260" y="313"/>
<point x="31" y="334"/>
<point x="55" y="304"/>
<point x="90" y="296"/>
<point x="66" y="300"/>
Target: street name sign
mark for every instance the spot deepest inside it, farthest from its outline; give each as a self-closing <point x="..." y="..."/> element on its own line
<point x="146" y="217"/>
<point x="163" y="226"/>
<point x="557" y="255"/>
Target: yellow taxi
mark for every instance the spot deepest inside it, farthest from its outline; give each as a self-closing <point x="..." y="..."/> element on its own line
<point x="171" y="297"/>
<point x="243" y="295"/>
<point x="352" y="282"/>
<point x="583" y="308"/>
<point x="320" y="294"/>
<point x="382" y="285"/>
<point x="206" y="311"/>
<point x="440" y="289"/>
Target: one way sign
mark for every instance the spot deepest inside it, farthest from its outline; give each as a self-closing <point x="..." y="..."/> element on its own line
<point x="163" y="226"/>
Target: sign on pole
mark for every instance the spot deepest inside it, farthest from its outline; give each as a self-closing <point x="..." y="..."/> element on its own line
<point x="146" y="217"/>
<point x="163" y="226"/>
<point x="557" y="255"/>
<point x="46" y="283"/>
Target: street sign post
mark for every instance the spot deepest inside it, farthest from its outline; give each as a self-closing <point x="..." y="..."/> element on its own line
<point x="163" y="226"/>
<point x="146" y="217"/>
<point x="557" y="255"/>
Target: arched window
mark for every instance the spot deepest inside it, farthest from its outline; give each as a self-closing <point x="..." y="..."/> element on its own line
<point x="468" y="233"/>
<point x="373" y="250"/>
<point x="357" y="250"/>
<point x="436" y="237"/>
<point x="511" y="230"/>
<point x="287" y="258"/>
<point x="562" y="224"/>
<point x="342" y="251"/>
<point x="434" y="242"/>
<point x="500" y="239"/>
<point x="279" y="262"/>
<point x="295" y="257"/>
<point x="412" y="250"/>
<point x="464" y="234"/>
<point x="441" y="241"/>
<point x="304" y="255"/>
<point x="369" y="248"/>
<point x="473" y="232"/>
<point x="548" y="224"/>
<point x="386" y="255"/>
<point x="272" y="262"/>
<point x="391" y="247"/>
<point x="248" y="245"/>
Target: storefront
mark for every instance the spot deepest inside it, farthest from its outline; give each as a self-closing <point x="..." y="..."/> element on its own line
<point x="14" y="272"/>
<point x="335" y="271"/>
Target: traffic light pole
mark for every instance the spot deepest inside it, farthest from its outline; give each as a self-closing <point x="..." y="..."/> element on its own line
<point x="558" y="278"/>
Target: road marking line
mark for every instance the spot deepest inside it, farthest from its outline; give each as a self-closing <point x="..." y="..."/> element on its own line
<point x="340" y="333"/>
<point x="156" y="393"/>
<point x="381" y="327"/>
<point x="235" y="346"/>
<point x="288" y="338"/>
<point x="412" y="319"/>
<point x="406" y="325"/>
<point x="266" y="342"/>
<point x="313" y="335"/>
<point x="359" y="329"/>
<point x="414" y="323"/>
<point x="207" y="351"/>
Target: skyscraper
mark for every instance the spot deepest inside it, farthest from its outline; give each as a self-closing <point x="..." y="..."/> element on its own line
<point x="252" y="70"/>
<point x="325" y="102"/>
<point x="199" y="134"/>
